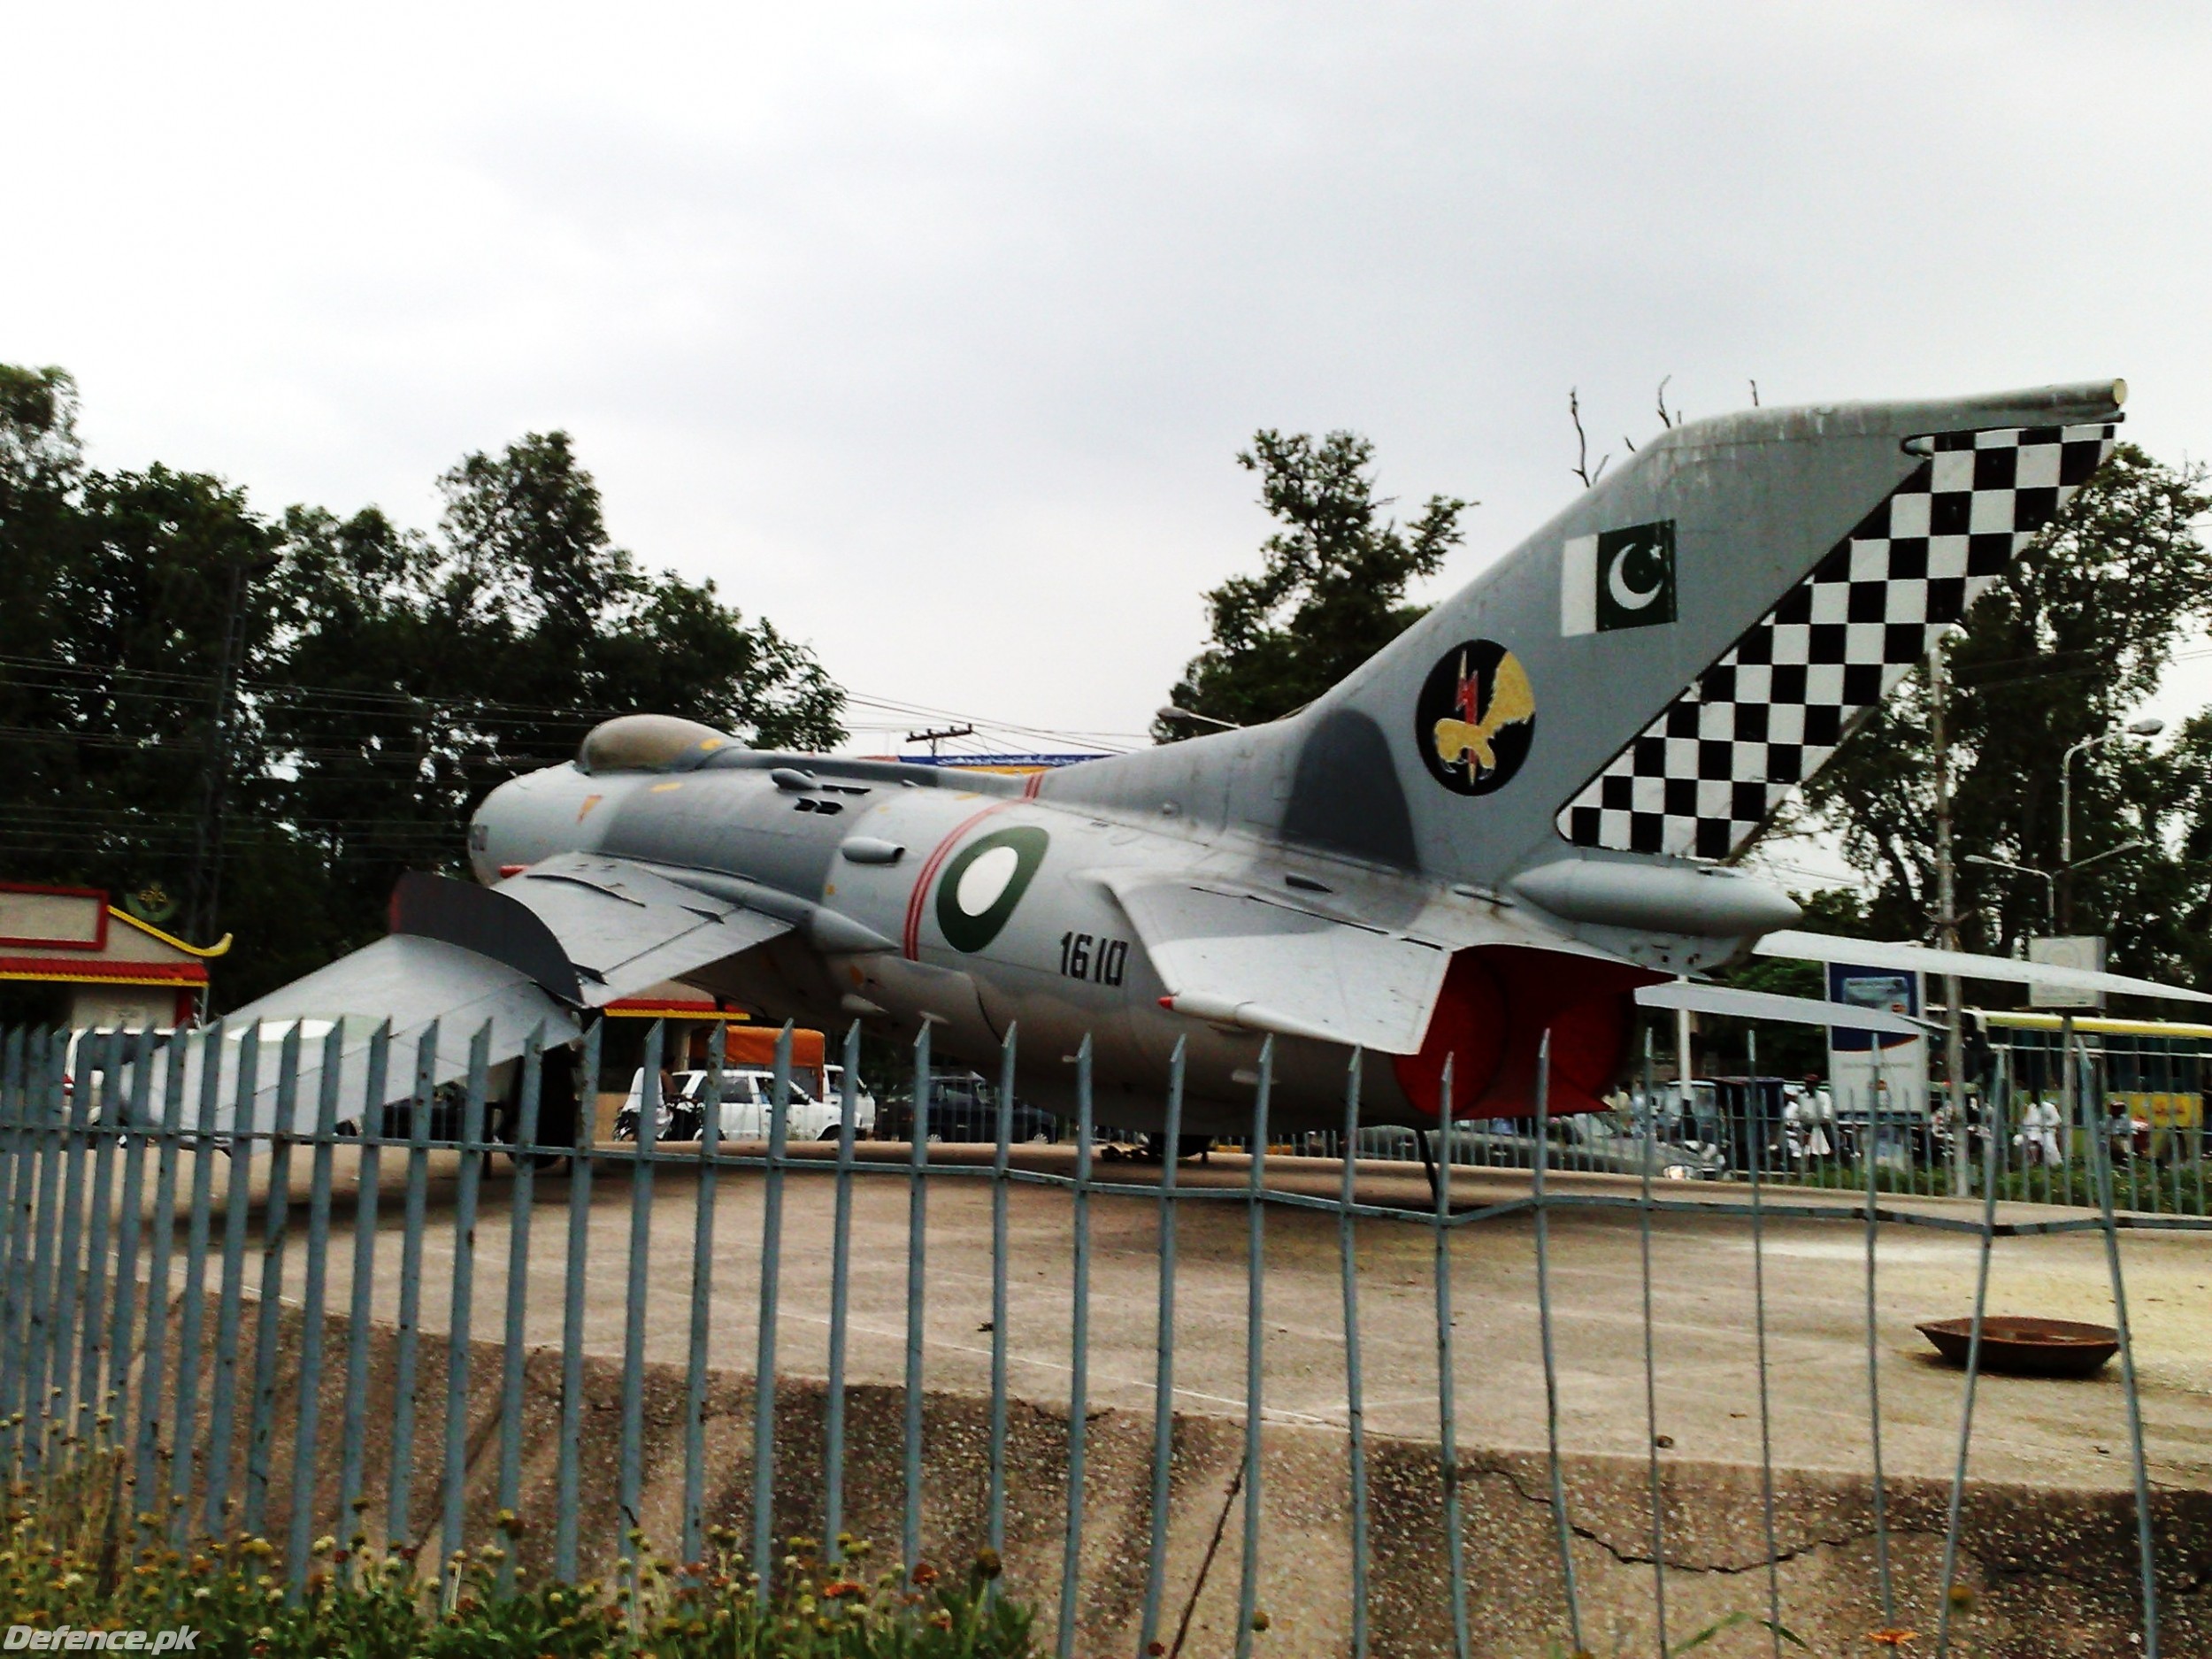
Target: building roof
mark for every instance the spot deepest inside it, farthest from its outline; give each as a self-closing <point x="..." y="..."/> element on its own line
<point x="69" y="936"/>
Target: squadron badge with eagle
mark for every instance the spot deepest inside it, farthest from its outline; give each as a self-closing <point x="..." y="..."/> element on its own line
<point x="1476" y="717"/>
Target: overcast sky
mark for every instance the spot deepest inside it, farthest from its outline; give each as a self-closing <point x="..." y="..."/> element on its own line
<point x="931" y="331"/>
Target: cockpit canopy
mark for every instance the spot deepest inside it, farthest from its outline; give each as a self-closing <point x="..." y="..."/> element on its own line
<point x="649" y="742"/>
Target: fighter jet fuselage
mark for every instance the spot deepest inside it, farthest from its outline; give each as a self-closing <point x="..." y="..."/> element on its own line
<point x="1503" y="829"/>
<point x="964" y="901"/>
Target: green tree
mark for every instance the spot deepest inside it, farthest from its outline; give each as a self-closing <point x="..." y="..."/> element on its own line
<point x="2066" y="645"/>
<point x="387" y="679"/>
<point x="559" y="615"/>
<point x="39" y="449"/>
<point x="110" y="666"/>
<point x="1331" y="593"/>
<point x="421" y="668"/>
<point x="40" y="461"/>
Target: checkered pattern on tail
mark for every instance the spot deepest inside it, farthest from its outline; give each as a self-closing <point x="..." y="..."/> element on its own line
<point x="1704" y="775"/>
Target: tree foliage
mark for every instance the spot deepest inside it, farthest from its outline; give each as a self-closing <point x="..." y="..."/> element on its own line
<point x="1331" y="589"/>
<point x="39" y="449"/>
<point x="2066" y="646"/>
<point x="386" y="677"/>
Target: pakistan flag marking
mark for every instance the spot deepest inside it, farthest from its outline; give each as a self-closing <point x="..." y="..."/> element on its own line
<point x="1619" y="579"/>
<point x="981" y="886"/>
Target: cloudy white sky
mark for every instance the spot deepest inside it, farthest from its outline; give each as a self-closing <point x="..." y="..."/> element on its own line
<point x="931" y="331"/>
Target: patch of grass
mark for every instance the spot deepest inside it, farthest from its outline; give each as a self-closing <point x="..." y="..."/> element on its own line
<point x="70" y="1556"/>
<point x="2141" y="1186"/>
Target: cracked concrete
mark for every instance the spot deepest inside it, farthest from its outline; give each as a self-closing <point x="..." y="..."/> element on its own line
<point x="2049" y="1523"/>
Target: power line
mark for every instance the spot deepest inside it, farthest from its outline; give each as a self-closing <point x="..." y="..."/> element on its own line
<point x="496" y="712"/>
<point x="1112" y="743"/>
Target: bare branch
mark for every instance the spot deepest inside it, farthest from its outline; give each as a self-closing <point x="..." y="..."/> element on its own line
<point x="1581" y="468"/>
<point x="1754" y="394"/>
<point x="1665" y="419"/>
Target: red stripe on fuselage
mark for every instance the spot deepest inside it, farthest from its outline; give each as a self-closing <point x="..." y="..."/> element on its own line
<point x="929" y="866"/>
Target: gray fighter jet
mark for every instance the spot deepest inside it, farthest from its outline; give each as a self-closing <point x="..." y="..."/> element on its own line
<point x="1513" y="820"/>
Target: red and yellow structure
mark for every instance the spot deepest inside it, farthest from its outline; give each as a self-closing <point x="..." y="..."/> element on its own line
<point x="103" y="967"/>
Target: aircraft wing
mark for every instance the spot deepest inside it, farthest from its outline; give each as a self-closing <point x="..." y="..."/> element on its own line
<point x="619" y="925"/>
<point x="1866" y="953"/>
<point x="1239" y="958"/>
<point x="1793" y="1010"/>
<point x="544" y="948"/>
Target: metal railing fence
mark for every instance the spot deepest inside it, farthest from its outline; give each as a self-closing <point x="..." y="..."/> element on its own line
<point x="2150" y="1118"/>
<point x="138" y="1308"/>
<point x="2153" y="1090"/>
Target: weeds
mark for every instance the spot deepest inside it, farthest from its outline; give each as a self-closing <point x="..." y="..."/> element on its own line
<point x="65" y="1560"/>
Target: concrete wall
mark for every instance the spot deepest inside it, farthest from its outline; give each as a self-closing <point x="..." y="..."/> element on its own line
<point x="2051" y="1571"/>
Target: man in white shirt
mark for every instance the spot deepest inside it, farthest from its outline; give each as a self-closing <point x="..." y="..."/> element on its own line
<point x="2038" y="1132"/>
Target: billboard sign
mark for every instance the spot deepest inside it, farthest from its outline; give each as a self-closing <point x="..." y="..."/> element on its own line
<point x="1885" y="1071"/>
<point x="2083" y="950"/>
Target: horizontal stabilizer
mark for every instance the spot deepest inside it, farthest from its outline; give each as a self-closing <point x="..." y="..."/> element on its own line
<point x="1866" y="953"/>
<point x="1788" y="1010"/>
<point x="1237" y="958"/>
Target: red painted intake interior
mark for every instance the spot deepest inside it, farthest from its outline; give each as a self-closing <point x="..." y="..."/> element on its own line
<point x="1496" y="1004"/>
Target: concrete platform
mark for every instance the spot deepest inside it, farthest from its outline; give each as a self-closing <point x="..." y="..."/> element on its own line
<point x="2042" y="1431"/>
<point x="2050" y="1522"/>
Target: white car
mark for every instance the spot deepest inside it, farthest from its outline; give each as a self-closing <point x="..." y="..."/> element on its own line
<point x="863" y="1102"/>
<point x="745" y="1114"/>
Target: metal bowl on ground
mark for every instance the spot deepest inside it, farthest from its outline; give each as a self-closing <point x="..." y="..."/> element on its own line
<point x="2026" y="1347"/>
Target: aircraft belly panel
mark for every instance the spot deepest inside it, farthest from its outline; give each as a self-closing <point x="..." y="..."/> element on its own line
<point x="945" y="997"/>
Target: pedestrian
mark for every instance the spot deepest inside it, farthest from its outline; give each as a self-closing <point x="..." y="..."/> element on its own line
<point x="1806" y="1124"/>
<point x="2038" y="1139"/>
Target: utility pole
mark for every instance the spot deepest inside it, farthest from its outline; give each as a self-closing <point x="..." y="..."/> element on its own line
<point x="207" y="837"/>
<point x="1947" y="921"/>
<point x="1685" y="1096"/>
<point x="933" y="736"/>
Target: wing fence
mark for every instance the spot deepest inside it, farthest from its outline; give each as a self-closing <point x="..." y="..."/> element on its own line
<point x="1196" y="1412"/>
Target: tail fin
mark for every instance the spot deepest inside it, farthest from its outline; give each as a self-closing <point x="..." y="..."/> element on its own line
<point x="1654" y="670"/>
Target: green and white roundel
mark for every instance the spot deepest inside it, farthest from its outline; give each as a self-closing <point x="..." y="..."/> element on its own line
<point x="981" y="886"/>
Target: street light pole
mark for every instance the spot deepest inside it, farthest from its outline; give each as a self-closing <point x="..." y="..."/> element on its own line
<point x="2147" y="726"/>
<point x="2049" y="882"/>
<point x="2066" y="801"/>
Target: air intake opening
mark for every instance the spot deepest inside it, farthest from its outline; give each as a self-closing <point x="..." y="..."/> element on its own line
<point x="1497" y="1002"/>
